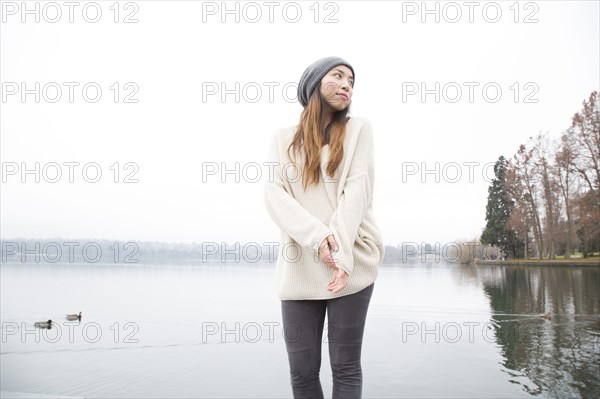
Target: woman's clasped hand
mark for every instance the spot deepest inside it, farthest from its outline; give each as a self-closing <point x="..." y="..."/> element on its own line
<point x="340" y="277"/>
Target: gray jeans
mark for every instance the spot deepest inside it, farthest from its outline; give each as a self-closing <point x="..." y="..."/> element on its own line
<point x="303" y="322"/>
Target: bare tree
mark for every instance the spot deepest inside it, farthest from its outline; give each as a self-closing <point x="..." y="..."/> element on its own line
<point x="520" y="219"/>
<point x="541" y="159"/>
<point x="525" y="176"/>
<point x="566" y="179"/>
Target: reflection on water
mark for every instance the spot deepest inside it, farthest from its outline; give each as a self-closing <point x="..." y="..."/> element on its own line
<point x="547" y="320"/>
<point x="433" y="330"/>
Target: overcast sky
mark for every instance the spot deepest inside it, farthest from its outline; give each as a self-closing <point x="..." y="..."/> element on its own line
<point x="521" y="68"/>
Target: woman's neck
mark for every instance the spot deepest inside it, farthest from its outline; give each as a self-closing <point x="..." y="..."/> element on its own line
<point x="327" y="114"/>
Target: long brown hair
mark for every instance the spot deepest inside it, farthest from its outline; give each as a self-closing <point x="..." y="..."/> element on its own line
<point x="311" y="135"/>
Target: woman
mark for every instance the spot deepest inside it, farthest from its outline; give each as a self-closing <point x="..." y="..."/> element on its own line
<point x="319" y="193"/>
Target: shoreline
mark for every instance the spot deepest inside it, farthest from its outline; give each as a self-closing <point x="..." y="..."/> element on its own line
<point x="595" y="262"/>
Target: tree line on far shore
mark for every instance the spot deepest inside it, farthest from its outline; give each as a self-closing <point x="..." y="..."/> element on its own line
<point x="544" y="202"/>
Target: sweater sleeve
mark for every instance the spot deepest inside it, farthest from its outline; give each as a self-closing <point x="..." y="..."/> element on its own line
<point x="286" y="211"/>
<point x="356" y="197"/>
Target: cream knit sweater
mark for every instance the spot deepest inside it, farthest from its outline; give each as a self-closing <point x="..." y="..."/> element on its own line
<point x="341" y="205"/>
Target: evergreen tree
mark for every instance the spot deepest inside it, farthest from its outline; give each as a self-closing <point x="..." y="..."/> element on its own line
<point x="497" y="214"/>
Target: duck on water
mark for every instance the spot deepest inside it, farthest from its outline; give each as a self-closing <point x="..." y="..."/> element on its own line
<point x="43" y="324"/>
<point x="74" y="316"/>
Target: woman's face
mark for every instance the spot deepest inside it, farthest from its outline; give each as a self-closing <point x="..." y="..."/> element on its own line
<point x="336" y="87"/>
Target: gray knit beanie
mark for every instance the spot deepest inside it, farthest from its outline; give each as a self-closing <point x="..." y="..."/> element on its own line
<point x="314" y="73"/>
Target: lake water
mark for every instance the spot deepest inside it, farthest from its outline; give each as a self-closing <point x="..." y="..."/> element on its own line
<point x="433" y="330"/>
